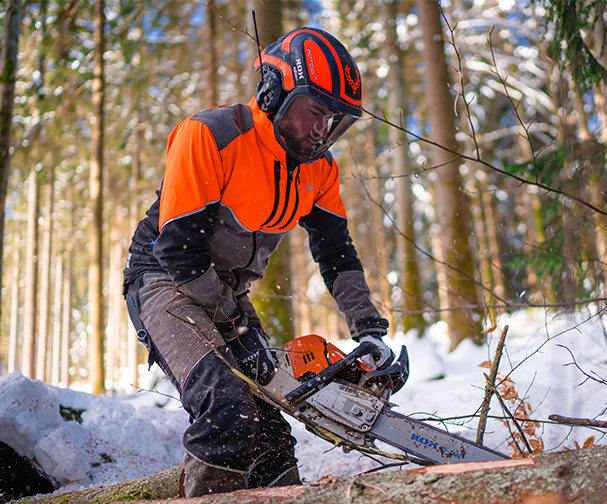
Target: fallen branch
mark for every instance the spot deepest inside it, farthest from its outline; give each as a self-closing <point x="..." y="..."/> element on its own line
<point x="585" y="422"/>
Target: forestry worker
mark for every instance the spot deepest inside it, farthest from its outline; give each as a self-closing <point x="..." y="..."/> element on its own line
<point x="238" y="177"/>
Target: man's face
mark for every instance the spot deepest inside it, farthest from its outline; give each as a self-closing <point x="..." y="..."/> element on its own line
<point x="305" y="127"/>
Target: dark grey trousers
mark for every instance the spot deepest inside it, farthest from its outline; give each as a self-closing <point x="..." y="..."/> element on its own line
<point x="230" y="427"/>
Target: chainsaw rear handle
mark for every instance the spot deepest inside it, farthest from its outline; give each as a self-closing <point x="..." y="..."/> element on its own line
<point x="327" y="374"/>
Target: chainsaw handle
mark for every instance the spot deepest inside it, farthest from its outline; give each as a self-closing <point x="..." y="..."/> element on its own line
<point x="329" y="373"/>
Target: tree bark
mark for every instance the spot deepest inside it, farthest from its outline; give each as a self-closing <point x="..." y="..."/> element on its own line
<point x="555" y="478"/>
<point x="452" y="207"/>
<point x="28" y="361"/>
<point x="56" y="333"/>
<point x="45" y="283"/>
<point x="14" y="325"/>
<point x="409" y="279"/>
<point x="8" y="73"/>
<point x="96" y="324"/>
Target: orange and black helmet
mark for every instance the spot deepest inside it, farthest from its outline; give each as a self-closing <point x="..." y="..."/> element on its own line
<point x="310" y="63"/>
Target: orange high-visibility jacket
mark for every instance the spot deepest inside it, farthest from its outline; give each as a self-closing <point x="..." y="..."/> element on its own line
<point x="228" y="196"/>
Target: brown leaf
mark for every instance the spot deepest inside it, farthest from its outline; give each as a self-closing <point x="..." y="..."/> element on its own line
<point x="487" y="364"/>
<point x="589" y="442"/>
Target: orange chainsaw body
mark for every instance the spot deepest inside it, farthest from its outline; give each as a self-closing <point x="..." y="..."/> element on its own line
<point x="312" y="353"/>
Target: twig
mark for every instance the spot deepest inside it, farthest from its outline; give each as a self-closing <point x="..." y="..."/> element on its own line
<point x="490" y="386"/>
<point x="588" y="377"/>
<point x="585" y="422"/>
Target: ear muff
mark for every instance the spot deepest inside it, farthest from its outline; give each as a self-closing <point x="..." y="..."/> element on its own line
<point x="269" y="92"/>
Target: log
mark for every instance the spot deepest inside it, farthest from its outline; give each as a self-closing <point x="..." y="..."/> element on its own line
<point x="557" y="478"/>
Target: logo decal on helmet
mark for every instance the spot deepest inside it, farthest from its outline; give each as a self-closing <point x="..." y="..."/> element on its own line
<point x="353" y="84"/>
<point x="299" y="73"/>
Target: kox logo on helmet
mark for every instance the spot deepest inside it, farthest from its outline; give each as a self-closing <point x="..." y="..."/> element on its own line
<point x="299" y="73"/>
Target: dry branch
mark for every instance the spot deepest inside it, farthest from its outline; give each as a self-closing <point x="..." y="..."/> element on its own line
<point x="490" y="387"/>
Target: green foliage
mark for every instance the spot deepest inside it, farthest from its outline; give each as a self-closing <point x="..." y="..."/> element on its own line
<point x="574" y="21"/>
<point x="70" y="414"/>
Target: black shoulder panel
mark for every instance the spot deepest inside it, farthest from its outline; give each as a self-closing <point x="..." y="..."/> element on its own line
<point x="226" y="122"/>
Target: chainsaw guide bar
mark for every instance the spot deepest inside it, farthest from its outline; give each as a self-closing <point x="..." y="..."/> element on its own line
<point x="319" y="385"/>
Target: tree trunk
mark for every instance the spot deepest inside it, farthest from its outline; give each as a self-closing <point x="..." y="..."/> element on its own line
<point x="211" y="90"/>
<point x="66" y="318"/>
<point x="57" y="299"/>
<point x="555" y="478"/>
<point x="379" y="256"/>
<point x="96" y="325"/>
<point x="116" y="301"/>
<point x="45" y="283"/>
<point x="28" y="362"/>
<point x="409" y="280"/>
<point x="452" y="207"/>
<point x="8" y="73"/>
<point x="14" y="325"/>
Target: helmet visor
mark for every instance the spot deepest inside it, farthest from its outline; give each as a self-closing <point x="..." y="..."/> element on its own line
<point x="306" y="128"/>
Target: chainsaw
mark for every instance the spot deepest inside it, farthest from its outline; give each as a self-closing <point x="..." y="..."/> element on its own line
<point x="346" y="403"/>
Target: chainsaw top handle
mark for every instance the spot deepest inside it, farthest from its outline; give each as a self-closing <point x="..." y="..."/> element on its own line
<point x="327" y="374"/>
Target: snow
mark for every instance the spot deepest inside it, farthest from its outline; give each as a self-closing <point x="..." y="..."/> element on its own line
<point x="117" y="438"/>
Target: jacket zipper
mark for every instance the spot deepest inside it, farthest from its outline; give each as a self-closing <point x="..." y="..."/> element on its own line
<point x="291" y="166"/>
<point x="276" y="192"/>
<point x="296" y="201"/>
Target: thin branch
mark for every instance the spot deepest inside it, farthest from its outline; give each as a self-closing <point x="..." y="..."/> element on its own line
<point x="584" y="422"/>
<point x="488" y="165"/>
<point x="511" y="417"/>
<point x="490" y="387"/>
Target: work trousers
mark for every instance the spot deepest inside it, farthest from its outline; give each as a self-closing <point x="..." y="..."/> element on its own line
<point x="230" y="427"/>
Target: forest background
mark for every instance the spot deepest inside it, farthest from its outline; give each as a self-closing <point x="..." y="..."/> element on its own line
<point x="474" y="182"/>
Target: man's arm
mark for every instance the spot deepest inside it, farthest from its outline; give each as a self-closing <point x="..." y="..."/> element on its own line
<point x="342" y="271"/>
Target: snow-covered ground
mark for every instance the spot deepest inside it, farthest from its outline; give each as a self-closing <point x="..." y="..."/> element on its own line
<point x="121" y="438"/>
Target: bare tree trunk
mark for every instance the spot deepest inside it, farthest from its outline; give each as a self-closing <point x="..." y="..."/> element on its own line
<point x="116" y="302"/>
<point x="409" y="280"/>
<point x="453" y="215"/>
<point x="212" y="94"/>
<point x="8" y="73"/>
<point x="66" y="318"/>
<point x="45" y="283"/>
<point x="377" y="234"/>
<point x="14" y="326"/>
<point x="96" y="370"/>
<point x="28" y="363"/>
<point x="56" y="354"/>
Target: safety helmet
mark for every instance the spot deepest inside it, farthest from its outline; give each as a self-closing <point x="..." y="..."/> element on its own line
<point x="312" y="90"/>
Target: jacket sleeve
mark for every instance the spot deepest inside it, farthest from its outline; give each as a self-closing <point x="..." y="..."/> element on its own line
<point x="342" y="271"/>
<point x="190" y="196"/>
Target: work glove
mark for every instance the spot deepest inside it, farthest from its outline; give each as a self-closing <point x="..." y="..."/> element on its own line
<point x="253" y="355"/>
<point x="383" y="356"/>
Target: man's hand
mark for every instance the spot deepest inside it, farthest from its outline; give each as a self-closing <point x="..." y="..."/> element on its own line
<point x="379" y="359"/>
<point x="253" y="355"/>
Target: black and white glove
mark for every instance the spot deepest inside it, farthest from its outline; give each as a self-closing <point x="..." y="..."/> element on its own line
<point x="380" y="358"/>
<point x="253" y="355"/>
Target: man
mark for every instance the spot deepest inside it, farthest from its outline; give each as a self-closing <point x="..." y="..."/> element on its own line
<point x="238" y="177"/>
